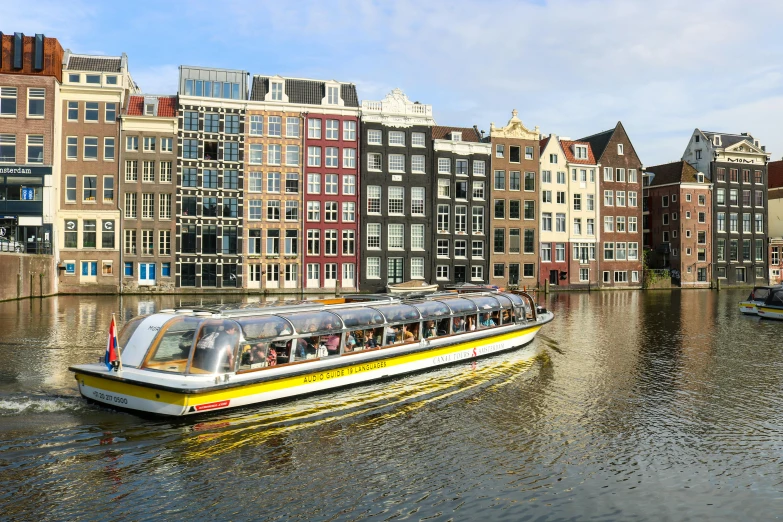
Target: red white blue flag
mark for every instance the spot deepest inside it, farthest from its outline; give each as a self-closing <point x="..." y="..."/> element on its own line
<point x="112" y="350"/>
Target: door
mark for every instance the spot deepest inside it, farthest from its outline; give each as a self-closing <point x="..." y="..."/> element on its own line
<point x="349" y="270"/>
<point x="513" y="273"/>
<point x="460" y="274"/>
<point x="313" y="275"/>
<point x="394" y="271"/>
<point x="146" y="274"/>
<point x="553" y="276"/>
<point x="330" y="275"/>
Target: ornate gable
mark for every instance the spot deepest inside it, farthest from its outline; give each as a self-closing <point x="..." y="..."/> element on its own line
<point x="514" y="129"/>
<point x="744" y="146"/>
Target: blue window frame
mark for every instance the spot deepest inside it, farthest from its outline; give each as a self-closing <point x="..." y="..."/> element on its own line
<point x="128" y="268"/>
<point x="165" y="269"/>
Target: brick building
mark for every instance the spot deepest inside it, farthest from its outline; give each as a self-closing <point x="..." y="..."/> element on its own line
<point x="514" y="190"/>
<point x="775" y="223"/>
<point x="619" y="189"/>
<point x="93" y="92"/>
<point x="678" y="202"/>
<point x="148" y="191"/>
<point x="30" y="77"/>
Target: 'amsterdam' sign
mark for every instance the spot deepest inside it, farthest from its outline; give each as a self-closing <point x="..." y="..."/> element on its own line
<point x="22" y="169"/>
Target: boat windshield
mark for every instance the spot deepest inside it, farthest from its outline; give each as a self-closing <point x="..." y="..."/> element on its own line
<point x="459" y="305"/>
<point x="305" y="322"/>
<point x="759" y="293"/>
<point x="171" y="348"/>
<point x="353" y="317"/>
<point x="127" y="331"/>
<point x="776" y="299"/>
<point x="398" y="312"/>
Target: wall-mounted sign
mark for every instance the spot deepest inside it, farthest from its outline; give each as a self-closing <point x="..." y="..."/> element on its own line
<point x="108" y="225"/>
<point x="22" y="169"/>
<point x="28" y="194"/>
<point x="71" y="224"/>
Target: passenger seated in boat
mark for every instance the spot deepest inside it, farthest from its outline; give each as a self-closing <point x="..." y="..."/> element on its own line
<point x="331" y="341"/>
<point x="506" y="317"/>
<point x="458" y="326"/>
<point x="486" y="321"/>
<point x="350" y="342"/>
<point x="495" y="316"/>
<point x="411" y="332"/>
<point x="393" y="334"/>
<point x="471" y="323"/>
<point x="302" y="347"/>
<point x="271" y="358"/>
<point x="429" y="330"/>
<point x="369" y="340"/>
<point x="226" y="343"/>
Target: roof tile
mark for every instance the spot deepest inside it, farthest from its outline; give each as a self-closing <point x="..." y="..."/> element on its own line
<point x="440" y="132"/>
<point x="167" y="106"/>
<point x="309" y="92"/>
<point x="569" y="153"/>
<point x="94" y="63"/>
<point x="676" y="172"/>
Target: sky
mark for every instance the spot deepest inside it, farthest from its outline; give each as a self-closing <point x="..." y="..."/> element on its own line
<point x="570" y="67"/>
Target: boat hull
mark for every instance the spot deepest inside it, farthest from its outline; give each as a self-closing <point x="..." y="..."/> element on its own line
<point x="113" y="389"/>
<point x="768" y="312"/>
<point x="748" y="308"/>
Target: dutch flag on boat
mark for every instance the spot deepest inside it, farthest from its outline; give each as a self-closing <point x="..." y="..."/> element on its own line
<point x="112" y="350"/>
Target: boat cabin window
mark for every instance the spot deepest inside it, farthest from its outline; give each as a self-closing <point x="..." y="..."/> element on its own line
<point x="458" y="324"/>
<point x="366" y="339"/>
<point x="216" y="347"/>
<point x="471" y="323"/>
<point x="260" y="347"/>
<point x="488" y="319"/>
<point x="776" y="299"/>
<point x="171" y="348"/>
<point x="128" y="330"/>
<point x="759" y="294"/>
<point x="402" y="333"/>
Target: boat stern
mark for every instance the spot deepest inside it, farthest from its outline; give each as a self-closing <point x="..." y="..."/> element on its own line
<point x="748" y="308"/>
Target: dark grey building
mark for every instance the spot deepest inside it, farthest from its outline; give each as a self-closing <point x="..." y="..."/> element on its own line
<point x="396" y="209"/>
<point x="737" y="166"/>
<point x="460" y="194"/>
<point x="210" y="177"/>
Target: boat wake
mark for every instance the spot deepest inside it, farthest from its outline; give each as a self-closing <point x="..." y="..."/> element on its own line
<point x="25" y="404"/>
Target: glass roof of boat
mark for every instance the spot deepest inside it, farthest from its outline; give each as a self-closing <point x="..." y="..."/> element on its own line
<point x="516" y="299"/>
<point x="305" y="322"/>
<point x="264" y="327"/>
<point x="398" y="312"/>
<point x="504" y="301"/>
<point x="459" y="305"/>
<point x="432" y="309"/>
<point x="485" y="302"/>
<point x="353" y="317"/>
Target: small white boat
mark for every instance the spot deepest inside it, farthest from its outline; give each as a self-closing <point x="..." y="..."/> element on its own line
<point x="409" y="287"/>
<point x="772" y="307"/>
<point x="183" y="362"/>
<point x="757" y="296"/>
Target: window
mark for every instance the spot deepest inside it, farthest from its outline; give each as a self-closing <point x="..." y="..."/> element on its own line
<point x="254" y="210"/>
<point x="444" y="166"/>
<point x="442" y="248"/>
<point x="417" y="139"/>
<point x="620" y="198"/>
<point x="759" y="250"/>
<point x="443" y="219"/>
<point x="632" y="201"/>
<point x="632" y="225"/>
<point x="530" y="209"/>
<point x="560" y="224"/>
<point x="273" y="210"/>
<point x="478" y="220"/>
<point x="444" y="188"/>
<point x="349" y="185"/>
<point x="500" y="209"/>
<point x="89" y="233"/>
<point x="273" y="182"/>
<point x="291" y="242"/>
<point x="591" y="226"/>
<point x="478" y="190"/>
<point x="272" y="243"/>
<point x="461" y="167"/>
<point x="609" y="198"/>
<point x="330" y="211"/>
<point x="91" y="112"/>
<point x="460" y="219"/>
<point x="291" y="210"/>
<point x="292" y="155"/>
<point x="36" y="98"/>
<point x="373" y="199"/>
<point x="349" y="130"/>
<point x="275" y="126"/>
<point x="374" y="162"/>
<point x="374" y="137"/>
<point x="746" y="198"/>
<point x="313" y="183"/>
<point x="165" y="206"/>
<point x="417" y="201"/>
<point x="373" y="236"/>
<point x="620" y="223"/>
<point x="577" y="226"/>
<point x="577" y="202"/>
<point x="721" y="222"/>
<point x="35" y="145"/>
<point x="513" y="209"/>
<point x="608" y="224"/>
<point x="148" y="172"/>
<point x="417" y="164"/>
<point x="189" y="149"/>
<point x="314" y="129"/>
<point x="313" y="156"/>
<point x="479" y="168"/>
<point x="373" y="267"/>
<point x="417" y="237"/>
<point x="291" y="183"/>
<point x="330" y="242"/>
<point x="396" y="236"/>
<point x="8" y="148"/>
<point x="273" y="153"/>
<point x="514" y="180"/>
<point x="500" y="150"/>
<point x="442" y="272"/>
<point x="349" y="158"/>
<point x="461" y="190"/>
<point x="759" y="201"/>
<point x="330" y="184"/>
<point x="514" y="243"/>
<point x="70" y="189"/>
<point x="500" y="180"/>
<point x="209" y="178"/>
<point x="499" y="241"/>
<point x="746" y="222"/>
<point x="331" y="157"/>
<point x="396" y="138"/>
<point x="528" y="153"/>
<point x="90" y="188"/>
<point x="759" y="218"/>
<point x="349" y="242"/>
<point x="313" y="211"/>
<point x="396" y="201"/>
<point x="620" y="175"/>
<point x="8" y="101"/>
<point x="148" y="206"/>
<point x="580" y="152"/>
<point x="332" y="95"/>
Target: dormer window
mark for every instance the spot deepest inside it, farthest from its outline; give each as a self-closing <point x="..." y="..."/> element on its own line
<point x="700" y="177"/>
<point x="456" y="136"/>
<point x="332" y="95"/>
<point x="277" y="91"/>
<point x="620" y="149"/>
<point x="716" y="140"/>
<point x="149" y="109"/>
<point x="580" y="152"/>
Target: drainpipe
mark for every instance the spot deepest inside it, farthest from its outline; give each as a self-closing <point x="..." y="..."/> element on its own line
<point x="119" y="229"/>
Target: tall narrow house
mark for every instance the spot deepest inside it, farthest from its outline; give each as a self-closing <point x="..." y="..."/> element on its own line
<point x="737" y="166"/>
<point x="461" y="159"/>
<point x="148" y="189"/>
<point x="302" y="184"/>
<point x="514" y="195"/>
<point x="555" y="214"/>
<point x="396" y="212"/>
<point x="30" y="141"/>
<point x="210" y="177"/>
<point x="93" y="92"/>
<point x="619" y="191"/>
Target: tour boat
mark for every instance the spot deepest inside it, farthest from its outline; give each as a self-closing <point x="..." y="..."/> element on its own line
<point x="755" y="299"/>
<point x="183" y="362"/>
<point x="772" y="307"/>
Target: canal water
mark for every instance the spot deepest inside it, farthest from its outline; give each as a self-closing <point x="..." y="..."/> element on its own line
<point x="629" y="406"/>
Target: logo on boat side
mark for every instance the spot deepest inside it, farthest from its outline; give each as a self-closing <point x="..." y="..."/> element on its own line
<point x="212" y="405"/>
